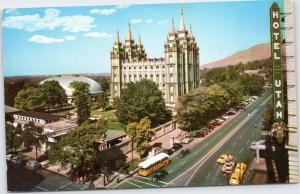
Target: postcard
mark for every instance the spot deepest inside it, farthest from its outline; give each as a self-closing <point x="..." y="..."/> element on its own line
<point x="160" y="95"/>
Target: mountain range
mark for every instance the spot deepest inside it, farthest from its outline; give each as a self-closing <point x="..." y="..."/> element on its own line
<point x="254" y="53"/>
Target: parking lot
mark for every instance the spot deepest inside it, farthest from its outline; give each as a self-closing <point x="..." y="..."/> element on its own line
<point x="22" y="179"/>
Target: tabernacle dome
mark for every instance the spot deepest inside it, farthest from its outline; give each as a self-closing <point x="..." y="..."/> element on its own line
<point x="65" y="81"/>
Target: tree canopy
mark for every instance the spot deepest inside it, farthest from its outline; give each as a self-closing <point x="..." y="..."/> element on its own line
<point x="33" y="136"/>
<point x="142" y="99"/>
<point x="40" y="97"/>
<point x="82" y="101"/>
<point x="140" y="134"/>
<point x="104" y="83"/>
<point x="13" y="139"/>
<point x="79" y="151"/>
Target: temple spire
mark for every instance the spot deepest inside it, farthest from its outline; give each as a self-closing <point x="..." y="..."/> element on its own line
<point x="172" y="27"/>
<point x="181" y="22"/>
<point x="140" y="41"/>
<point x="129" y="34"/>
<point x="190" y="32"/>
<point x="117" y="40"/>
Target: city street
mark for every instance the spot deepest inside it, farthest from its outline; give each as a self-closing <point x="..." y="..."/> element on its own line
<point x="200" y="167"/>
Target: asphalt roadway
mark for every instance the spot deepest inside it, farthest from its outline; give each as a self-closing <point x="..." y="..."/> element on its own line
<point x="199" y="168"/>
<point x="19" y="179"/>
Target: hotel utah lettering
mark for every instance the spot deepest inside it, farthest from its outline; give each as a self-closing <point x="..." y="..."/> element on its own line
<point x="277" y="64"/>
<point x="279" y="127"/>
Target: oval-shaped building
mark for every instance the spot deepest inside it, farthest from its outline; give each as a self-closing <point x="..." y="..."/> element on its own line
<point x="65" y="81"/>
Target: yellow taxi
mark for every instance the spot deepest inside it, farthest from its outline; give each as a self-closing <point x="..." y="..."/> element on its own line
<point x="234" y="179"/>
<point x="228" y="167"/>
<point x="241" y="169"/>
<point x="224" y="157"/>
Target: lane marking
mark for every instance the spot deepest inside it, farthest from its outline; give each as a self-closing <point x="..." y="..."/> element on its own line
<point x="64" y="185"/>
<point x="144" y="183"/>
<point x="208" y="175"/>
<point x="134" y="184"/>
<point x="41" y="188"/>
<point x="198" y="164"/>
<point x="241" y="150"/>
<point x="150" y="179"/>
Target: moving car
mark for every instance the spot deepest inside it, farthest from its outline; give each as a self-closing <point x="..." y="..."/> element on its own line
<point x="159" y="175"/>
<point x="223" y="157"/>
<point x="234" y="179"/>
<point x="33" y="165"/>
<point x="240" y="169"/>
<point x="184" y="152"/>
<point x="228" y="167"/>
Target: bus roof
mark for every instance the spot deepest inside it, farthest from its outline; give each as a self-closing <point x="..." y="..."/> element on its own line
<point x="152" y="160"/>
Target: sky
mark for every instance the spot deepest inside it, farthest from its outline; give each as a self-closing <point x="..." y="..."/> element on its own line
<point x="74" y="40"/>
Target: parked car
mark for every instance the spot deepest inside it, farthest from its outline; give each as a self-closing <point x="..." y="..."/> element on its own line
<point x="225" y="117"/>
<point x="187" y="140"/>
<point x="9" y="157"/>
<point x="33" y="165"/>
<point x="159" y="175"/>
<point x="184" y="152"/>
<point x="176" y="146"/>
<point x="168" y="151"/>
<point x="17" y="160"/>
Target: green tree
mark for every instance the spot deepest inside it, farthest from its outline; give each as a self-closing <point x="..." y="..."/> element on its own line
<point x="104" y="83"/>
<point x="33" y="136"/>
<point x="142" y="99"/>
<point x="82" y="101"/>
<point x="54" y="94"/>
<point x="253" y="84"/>
<point x="200" y="106"/>
<point x="13" y="140"/>
<point x="79" y="150"/>
<point x="140" y="134"/>
<point x="102" y="100"/>
<point x="30" y="99"/>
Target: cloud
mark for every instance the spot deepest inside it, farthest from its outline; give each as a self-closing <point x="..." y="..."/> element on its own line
<point x="11" y="11"/>
<point x="103" y="11"/>
<point x="163" y="22"/>
<point x="70" y="37"/>
<point x="149" y="21"/>
<point x="98" y="35"/>
<point x="41" y="39"/>
<point x="122" y="6"/>
<point x="136" y="21"/>
<point x="50" y="21"/>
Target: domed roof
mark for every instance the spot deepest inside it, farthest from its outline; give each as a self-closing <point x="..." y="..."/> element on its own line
<point x="66" y="80"/>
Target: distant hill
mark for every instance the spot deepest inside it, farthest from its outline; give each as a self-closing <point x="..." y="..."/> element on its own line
<point x="255" y="53"/>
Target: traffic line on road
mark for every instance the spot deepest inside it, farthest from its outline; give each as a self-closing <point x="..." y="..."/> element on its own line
<point x="64" y="185"/>
<point x="241" y="150"/>
<point x="150" y="179"/>
<point x="134" y="184"/>
<point x="41" y="188"/>
<point x="144" y="183"/>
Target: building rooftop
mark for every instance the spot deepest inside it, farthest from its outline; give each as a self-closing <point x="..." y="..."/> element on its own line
<point x="113" y="134"/>
<point x="38" y="115"/>
<point x="9" y="109"/>
<point x="59" y="125"/>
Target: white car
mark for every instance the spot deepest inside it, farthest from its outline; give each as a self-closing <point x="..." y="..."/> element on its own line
<point x="33" y="165"/>
<point x="187" y="140"/>
<point x="257" y="145"/>
<point x="9" y="156"/>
